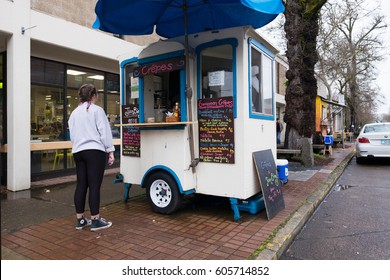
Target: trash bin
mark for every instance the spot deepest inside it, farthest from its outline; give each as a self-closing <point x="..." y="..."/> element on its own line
<point x="282" y="167"/>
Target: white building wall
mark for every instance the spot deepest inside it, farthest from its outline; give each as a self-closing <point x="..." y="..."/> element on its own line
<point x="18" y="96"/>
<point x="280" y="97"/>
<point x="322" y="90"/>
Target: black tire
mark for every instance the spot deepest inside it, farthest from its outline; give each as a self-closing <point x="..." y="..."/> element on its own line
<point x="359" y="160"/>
<point x="163" y="193"/>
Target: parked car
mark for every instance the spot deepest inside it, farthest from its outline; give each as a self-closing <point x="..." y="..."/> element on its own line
<point x="373" y="141"/>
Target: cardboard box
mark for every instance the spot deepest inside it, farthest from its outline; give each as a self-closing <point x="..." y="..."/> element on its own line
<point x="171" y="119"/>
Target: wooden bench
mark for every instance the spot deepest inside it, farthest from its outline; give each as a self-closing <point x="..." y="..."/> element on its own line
<point x="297" y="153"/>
<point x="318" y="146"/>
<point x="324" y="148"/>
<point x="288" y="152"/>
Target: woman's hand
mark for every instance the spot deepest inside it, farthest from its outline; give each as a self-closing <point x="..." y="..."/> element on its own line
<point x="111" y="158"/>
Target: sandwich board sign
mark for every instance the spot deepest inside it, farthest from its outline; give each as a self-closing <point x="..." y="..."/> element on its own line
<point x="271" y="186"/>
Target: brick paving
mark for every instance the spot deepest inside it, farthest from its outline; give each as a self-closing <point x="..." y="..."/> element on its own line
<point x="198" y="231"/>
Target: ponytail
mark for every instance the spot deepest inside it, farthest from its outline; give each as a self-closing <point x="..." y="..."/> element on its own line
<point x="86" y="92"/>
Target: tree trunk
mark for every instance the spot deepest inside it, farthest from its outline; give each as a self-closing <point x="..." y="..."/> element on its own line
<point x="301" y="28"/>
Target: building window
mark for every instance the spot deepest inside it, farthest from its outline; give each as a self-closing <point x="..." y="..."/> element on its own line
<point x="3" y="107"/>
<point x="112" y="97"/>
<point x="77" y="76"/>
<point x="324" y="116"/>
<point x="47" y="113"/>
<point x="3" y="117"/>
<point x="47" y="72"/>
<point x="54" y="95"/>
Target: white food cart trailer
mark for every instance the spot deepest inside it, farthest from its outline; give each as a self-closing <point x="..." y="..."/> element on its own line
<point x="207" y="148"/>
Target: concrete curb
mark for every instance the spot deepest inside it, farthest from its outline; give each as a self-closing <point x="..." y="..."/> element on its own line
<point x="293" y="224"/>
<point x="8" y="254"/>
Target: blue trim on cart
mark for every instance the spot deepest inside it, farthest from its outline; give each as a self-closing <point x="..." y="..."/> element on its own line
<point x="171" y="172"/>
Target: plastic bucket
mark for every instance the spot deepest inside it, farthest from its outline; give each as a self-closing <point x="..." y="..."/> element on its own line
<point x="282" y="167"/>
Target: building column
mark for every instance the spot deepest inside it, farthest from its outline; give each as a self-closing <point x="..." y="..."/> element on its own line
<point x="18" y="101"/>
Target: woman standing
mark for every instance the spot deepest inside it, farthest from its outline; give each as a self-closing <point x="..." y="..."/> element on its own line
<point x="92" y="144"/>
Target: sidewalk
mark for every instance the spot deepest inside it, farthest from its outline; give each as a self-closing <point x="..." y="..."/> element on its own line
<point x="202" y="229"/>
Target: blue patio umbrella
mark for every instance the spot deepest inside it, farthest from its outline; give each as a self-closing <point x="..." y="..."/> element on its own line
<point x="140" y="17"/>
<point x="173" y="18"/>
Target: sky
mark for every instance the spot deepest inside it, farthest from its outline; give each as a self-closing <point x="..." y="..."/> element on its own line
<point x="384" y="66"/>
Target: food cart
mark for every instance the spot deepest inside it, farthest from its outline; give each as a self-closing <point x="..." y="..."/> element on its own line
<point x="178" y="141"/>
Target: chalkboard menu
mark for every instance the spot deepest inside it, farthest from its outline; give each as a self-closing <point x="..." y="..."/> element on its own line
<point x="131" y="137"/>
<point x="216" y="130"/>
<point x="270" y="183"/>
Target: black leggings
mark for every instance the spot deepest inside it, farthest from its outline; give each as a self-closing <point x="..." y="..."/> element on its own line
<point x="90" y="165"/>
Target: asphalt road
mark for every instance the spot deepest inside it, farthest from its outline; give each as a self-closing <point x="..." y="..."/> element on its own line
<point x="353" y="221"/>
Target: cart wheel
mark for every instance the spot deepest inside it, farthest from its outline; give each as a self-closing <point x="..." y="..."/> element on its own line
<point x="163" y="193"/>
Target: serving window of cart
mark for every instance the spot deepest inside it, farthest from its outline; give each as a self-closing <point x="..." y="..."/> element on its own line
<point x="155" y="87"/>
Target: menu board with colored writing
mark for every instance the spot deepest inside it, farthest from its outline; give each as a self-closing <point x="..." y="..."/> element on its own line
<point x="216" y="130"/>
<point x="131" y="137"/>
<point x="270" y="183"/>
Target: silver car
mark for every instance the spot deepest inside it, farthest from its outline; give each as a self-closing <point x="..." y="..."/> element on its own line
<point x="373" y="141"/>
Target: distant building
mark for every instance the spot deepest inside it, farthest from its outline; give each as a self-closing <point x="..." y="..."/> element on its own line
<point x="329" y="115"/>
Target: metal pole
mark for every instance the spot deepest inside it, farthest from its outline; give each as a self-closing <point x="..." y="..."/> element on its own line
<point x="343" y="127"/>
<point x="189" y="94"/>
